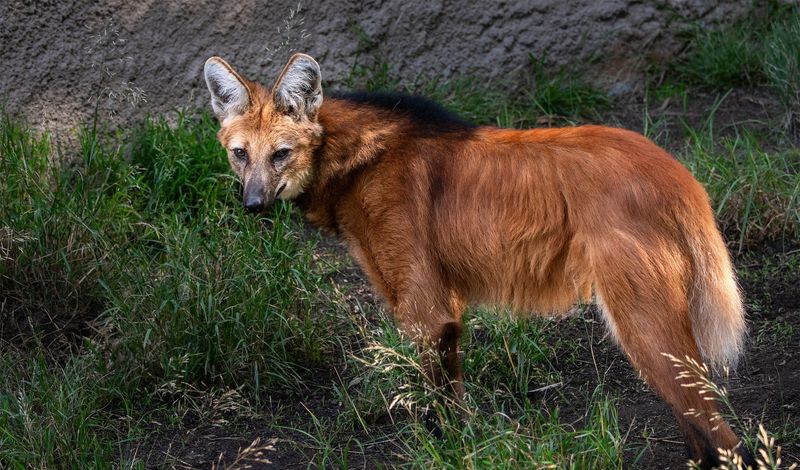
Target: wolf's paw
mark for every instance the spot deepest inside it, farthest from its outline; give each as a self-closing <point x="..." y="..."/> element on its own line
<point x="432" y="423"/>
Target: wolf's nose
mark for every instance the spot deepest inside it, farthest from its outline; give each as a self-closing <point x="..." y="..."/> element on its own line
<point x="254" y="204"/>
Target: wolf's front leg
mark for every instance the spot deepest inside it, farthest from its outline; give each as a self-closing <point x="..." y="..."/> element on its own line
<point x="441" y="364"/>
<point x="432" y="318"/>
<point x="441" y="360"/>
<point x="431" y="315"/>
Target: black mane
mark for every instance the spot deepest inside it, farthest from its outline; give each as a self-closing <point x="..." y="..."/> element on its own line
<point x="426" y="113"/>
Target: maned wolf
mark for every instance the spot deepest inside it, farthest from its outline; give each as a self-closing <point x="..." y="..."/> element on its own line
<point x="441" y="214"/>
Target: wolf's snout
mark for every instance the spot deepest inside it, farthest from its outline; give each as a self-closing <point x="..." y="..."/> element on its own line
<point x="254" y="197"/>
<point x="254" y="203"/>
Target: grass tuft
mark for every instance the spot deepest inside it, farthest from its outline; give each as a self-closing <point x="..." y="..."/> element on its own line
<point x="129" y="278"/>
<point x="755" y="193"/>
<point x="53" y="415"/>
<point x="501" y="423"/>
<point x="782" y="62"/>
<point x="763" y="48"/>
<point x="563" y="91"/>
<point x="722" y="59"/>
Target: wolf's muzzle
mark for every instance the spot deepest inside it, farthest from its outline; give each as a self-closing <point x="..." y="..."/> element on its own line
<point x="254" y="204"/>
<point x="255" y="198"/>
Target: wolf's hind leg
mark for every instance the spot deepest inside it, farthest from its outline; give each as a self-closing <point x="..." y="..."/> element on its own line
<point x="646" y="306"/>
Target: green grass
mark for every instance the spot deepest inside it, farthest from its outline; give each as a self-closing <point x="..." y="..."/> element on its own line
<point x="762" y="48"/>
<point x="782" y="61"/>
<point x="563" y="91"/>
<point x="53" y="413"/>
<point x="755" y="193"/>
<point x="722" y="59"/>
<point x="154" y="260"/>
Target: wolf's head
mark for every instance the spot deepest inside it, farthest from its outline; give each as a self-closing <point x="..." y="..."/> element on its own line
<point x="270" y="135"/>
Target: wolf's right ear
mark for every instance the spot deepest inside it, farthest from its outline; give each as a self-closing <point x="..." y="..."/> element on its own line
<point x="229" y="95"/>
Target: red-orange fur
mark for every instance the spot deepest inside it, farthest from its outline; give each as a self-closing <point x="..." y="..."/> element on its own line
<point x="531" y="219"/>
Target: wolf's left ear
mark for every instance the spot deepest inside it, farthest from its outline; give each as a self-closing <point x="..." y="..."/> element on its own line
<point x="229" y="94"/>
<point x="298" y="91"/>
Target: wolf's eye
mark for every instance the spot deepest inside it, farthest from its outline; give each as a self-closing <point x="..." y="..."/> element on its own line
<point x="280" y="155"/>
<point x="240" y="154"/>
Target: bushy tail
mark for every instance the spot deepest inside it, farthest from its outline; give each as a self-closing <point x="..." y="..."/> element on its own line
<point x="715" y="304"/>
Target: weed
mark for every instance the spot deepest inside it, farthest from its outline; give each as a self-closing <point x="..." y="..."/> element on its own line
<point x="103" y="54"/>
<point x="253" y="454"/>
<point x="761" y="48"/>
<point x="722" y="59"/>
<point x="158" y="277"/>
<point x="180" y="168"/>
<point x="56" y="252"/>
<point x="782" y="63"/>
<point x="695" y="375"/>
<point x="563" y="91"/>
<point x="499" y="424"/>
<point x="54" y="415"/>
<point x="756" y="194"/>
<point x="292" y="34"/>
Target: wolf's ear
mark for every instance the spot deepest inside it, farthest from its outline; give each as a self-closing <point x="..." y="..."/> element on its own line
<point x="229" y="95"/>
<point x="298" y="90"/>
